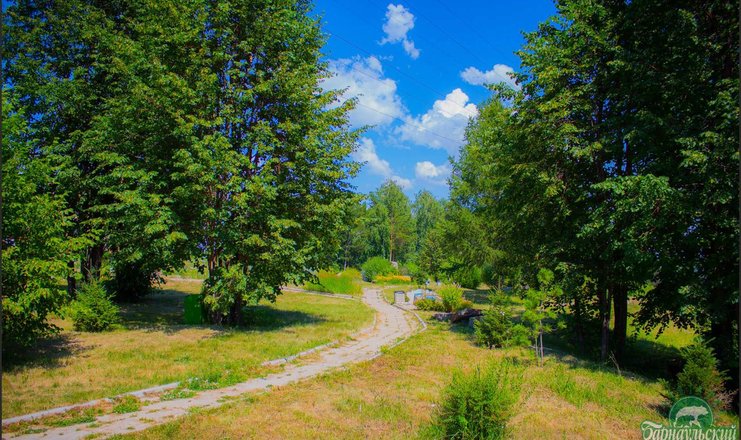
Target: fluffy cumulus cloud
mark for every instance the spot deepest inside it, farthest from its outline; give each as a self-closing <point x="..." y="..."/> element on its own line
<point x="498" y="73"/>
<point x="367" y="154"/>
<point x="443" y="126"/>
<point x="399" y="21"/>
<point x="428" y="171"/>
<point x="363" y="78"/>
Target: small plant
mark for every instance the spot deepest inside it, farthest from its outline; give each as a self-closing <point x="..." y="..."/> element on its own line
<point x="126" y="404"/>
<point x="375" y="266"/>
<point x="93" y="310"/>
<point x="452" y="298"/>
<point x="700" y="377"/>
<point x="479" y="405"/>
<point x="178" y="393"/>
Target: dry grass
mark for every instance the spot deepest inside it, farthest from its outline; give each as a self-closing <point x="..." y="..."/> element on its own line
<point x="395" y="396"/>
<point x="154" y="348"/>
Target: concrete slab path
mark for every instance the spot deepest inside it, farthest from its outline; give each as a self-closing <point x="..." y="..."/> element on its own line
<point x="392" y="326"/>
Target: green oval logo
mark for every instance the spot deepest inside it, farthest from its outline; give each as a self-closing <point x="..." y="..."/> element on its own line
<point x="692" y="412"/>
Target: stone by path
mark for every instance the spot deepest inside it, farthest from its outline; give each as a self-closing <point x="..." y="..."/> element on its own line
<point x="392" y="325"/>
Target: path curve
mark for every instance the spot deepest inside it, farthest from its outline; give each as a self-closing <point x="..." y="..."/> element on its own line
<point x="392" y="326"/>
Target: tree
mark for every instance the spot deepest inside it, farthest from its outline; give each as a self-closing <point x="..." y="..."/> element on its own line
<point x="390" y="217"/>
<point x="264" y="177"/>
<point x="427" y="211"/>
<point x="35" y="247"/>
<point x="607" y="164"/>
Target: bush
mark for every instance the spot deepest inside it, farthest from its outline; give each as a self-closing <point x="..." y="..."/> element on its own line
<point x="377" y="266"/>
<point x="393" y="279"/>
<point x="429" y="305"/>
<point x="131" y="282"/>
<point x="469" y="277"/>
<point x="494" y="329"/>
<point x="479" y="405"/>
<point x="93" y="310"/>
<point x="700" y="377"/>
<point x="452" y="298"/>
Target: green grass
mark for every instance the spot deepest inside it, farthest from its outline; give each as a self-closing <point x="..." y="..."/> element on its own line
<point x="126" y="404"/>
<point x="397" y="394"/>
<point x="346" y="282"/>
<point x="153" y="347"/>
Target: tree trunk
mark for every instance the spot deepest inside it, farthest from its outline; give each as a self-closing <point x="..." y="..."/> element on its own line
<point x="620" y="301"/>
<point x="92" y="262"/>
<point x="71" y="280"/>
<point x="604" y="300"/>
<point x="578" y="324"/>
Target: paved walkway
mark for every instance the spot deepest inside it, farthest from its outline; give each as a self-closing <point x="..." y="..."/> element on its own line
<point x="392" y="326"/>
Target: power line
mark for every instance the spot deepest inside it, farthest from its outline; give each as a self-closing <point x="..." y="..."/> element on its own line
<point x="401" y="120"/>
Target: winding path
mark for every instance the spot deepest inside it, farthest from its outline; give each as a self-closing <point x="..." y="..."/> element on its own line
<point x="392" y="326"/>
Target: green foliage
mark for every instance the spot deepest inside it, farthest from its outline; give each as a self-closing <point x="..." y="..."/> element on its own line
<point x="131" y="282"/>
<point x="346" y="282"/>
<point x="451" y="297"/>
<point x="701" y="377"/>
<point x="537" y="313"/>
<point x="427" y="211"/>
<point x="429" y="305"/>
<point x="606" y="161"/>
<point x="225" y="294"/>
<point x="93" y="310"/>
<point x="390" y="222"/>
<point x="469" y="277"/>
<point x="375" y="266"/>
<point x="496" y="327"/>
<point x="478" y="405"/>
<point x="36" y="249"/>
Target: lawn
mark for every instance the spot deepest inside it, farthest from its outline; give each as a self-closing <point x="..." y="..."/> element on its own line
<point x="396" y="395"/>
<point x="153" y="347"/>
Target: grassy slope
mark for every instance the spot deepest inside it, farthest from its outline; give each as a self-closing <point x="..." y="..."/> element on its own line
<point x="153" y="348"/>
<point x="347" y="282"/>
<point x="395" y="396"/>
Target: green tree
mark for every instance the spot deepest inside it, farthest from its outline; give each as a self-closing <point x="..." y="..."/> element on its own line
<point x="427" y="211"/>
<point x="598" y="163"/>
<point x="35" y="246"/>
<point x="264" y="178"/>
<point x="391" y="222"/>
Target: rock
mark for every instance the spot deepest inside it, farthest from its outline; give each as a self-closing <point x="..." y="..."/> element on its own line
<point x="465" y="314"/>
<point x="442" y="316"/>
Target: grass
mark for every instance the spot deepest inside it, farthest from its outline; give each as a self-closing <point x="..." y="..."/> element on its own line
<point x="153" y="347"/>
<point x="397" y="395"/>
<point x="346" y="282"/>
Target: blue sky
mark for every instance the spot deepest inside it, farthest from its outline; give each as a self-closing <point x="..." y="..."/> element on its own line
<point x="417" y="68"/>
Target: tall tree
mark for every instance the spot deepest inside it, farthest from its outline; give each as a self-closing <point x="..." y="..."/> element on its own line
<point x="427" y="211"/>
<point x="35" y="245"/>
<point x="264" y="178"/>
<point x="599" y="162"/>
<point x="390" y="217"/>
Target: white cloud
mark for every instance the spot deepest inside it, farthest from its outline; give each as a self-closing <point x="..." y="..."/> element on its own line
<point x="402" y="182"/>
<point x="366" y="153"/>
<point x="399" y="21"/>
<point x="428" y="170"/>
<point x="498" y="73"/>
<point x="363" y="78"/>
<point x="443" y="126"/>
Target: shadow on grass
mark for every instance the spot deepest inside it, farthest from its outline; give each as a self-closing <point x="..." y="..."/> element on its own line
<point x="266" y="318"/>
<point x="48" y="353"/>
